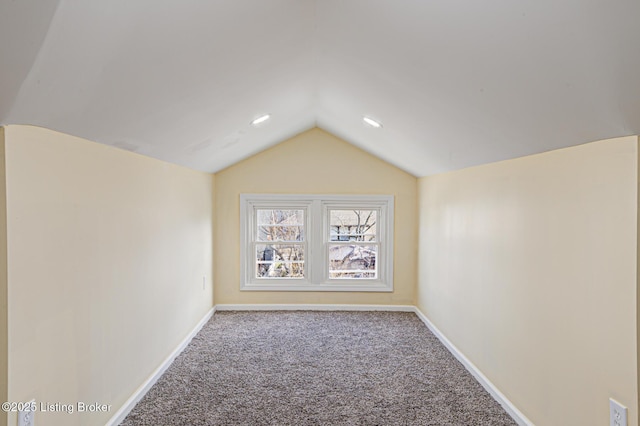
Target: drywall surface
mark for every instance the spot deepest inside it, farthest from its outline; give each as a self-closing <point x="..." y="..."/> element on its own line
<point x="3" y="282"/>
<point x="107" y="254"/>
<point x="529" y="267"/>
<point x="314" y="162"/>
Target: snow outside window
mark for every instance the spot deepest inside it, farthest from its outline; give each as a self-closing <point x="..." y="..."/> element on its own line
<point x="316" y="242"/>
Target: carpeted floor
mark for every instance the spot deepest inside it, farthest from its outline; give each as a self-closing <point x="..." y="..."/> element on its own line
<point x="316" y="368"/>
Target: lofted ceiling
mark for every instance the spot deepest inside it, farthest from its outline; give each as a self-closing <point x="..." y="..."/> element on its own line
<point x="455" y="83"/>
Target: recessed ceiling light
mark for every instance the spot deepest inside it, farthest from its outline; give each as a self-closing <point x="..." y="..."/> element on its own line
<point x="261" y="119"/>
<point x="371" y="122"/>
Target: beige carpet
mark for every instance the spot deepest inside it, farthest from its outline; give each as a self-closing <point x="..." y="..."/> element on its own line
<point x="316" y="368"/>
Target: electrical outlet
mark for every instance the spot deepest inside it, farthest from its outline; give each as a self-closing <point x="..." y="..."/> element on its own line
<point x="25" y="417"/>
<point x="617" y="413"/>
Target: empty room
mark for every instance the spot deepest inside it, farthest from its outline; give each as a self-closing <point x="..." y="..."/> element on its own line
<point x="309" y="212"/>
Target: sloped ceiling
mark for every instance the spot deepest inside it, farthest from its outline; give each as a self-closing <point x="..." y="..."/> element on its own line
<point x="455" y="83"/>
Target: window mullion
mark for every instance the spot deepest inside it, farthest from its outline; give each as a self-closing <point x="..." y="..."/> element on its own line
<point x="315" y="242"/>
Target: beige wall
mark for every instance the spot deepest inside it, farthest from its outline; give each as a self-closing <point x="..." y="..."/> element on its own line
<point x="107" y="250"/>
<point x="3" y="282"/>
<point x="313" y="162"/>
<point x="529" y="267"/>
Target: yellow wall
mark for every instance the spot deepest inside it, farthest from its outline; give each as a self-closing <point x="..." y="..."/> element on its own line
<point x="529" y="267"/>
<point x="3" y="282"/>
<point x="107" y="250"/>
<point x="638" y="282"/>
<point x="313" y="162"/>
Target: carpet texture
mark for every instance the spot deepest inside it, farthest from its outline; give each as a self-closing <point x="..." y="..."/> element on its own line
<point x="316" y="368"/>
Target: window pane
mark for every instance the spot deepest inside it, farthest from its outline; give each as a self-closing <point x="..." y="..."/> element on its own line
<point x="352" y="261"/>
<point x="280" y="233"/>
<point x="353" y="225"/>
<point x="280" y="225"/>
<point x="280" y="217"/>
<point x="279" y="261"/>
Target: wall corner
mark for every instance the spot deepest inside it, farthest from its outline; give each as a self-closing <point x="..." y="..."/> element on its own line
<point x="213" y="240"/>
<point x="638" y="276"/>
<point x="4" y="332"/>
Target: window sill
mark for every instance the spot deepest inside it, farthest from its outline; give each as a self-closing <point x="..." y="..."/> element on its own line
<point x="375" y="286"/>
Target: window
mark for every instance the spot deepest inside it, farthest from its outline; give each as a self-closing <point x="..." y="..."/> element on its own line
<point x="316" y="242"/>
<point x="280" y="244"/>
<point x="353" y="244"/>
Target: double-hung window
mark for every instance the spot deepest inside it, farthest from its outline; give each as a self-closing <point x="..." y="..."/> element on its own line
<point x="316" y="242"/>
<point x="279" y="243"/>
<point x="352" y="243"/>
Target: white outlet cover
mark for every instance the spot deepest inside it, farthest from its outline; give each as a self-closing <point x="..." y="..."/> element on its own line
<point x="25" y="418"/>
<point x="617" y="413"/>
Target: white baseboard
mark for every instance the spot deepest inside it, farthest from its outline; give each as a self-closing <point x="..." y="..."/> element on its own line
<point x="508" y="406"/>
<point x="313" y="307"/>
<point x="511" y="409"/>
<point x="126" y="408"/>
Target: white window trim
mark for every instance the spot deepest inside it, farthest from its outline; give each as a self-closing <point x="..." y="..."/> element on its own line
<point x="316" y="243"/>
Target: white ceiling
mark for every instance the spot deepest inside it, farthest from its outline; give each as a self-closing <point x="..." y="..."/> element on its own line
<point x="455" y="83"/>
